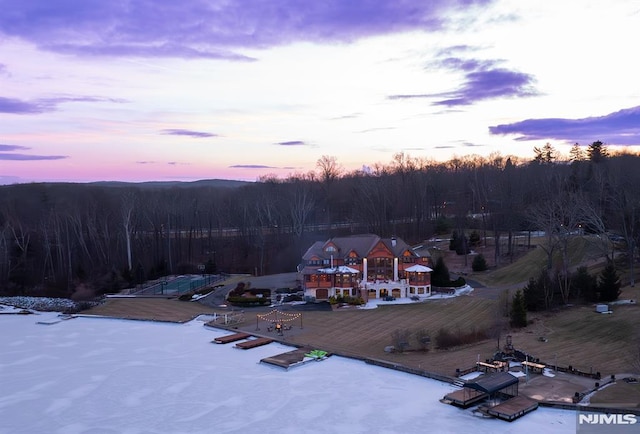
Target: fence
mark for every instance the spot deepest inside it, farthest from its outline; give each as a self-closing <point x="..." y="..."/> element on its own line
<point x="178" y="285"/>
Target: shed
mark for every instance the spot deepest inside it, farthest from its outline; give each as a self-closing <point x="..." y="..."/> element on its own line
<point x="484" y="387"/>
<point x="492" y="384"/>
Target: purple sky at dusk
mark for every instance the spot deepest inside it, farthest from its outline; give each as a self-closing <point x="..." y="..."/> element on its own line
<point x="134" y="90"/>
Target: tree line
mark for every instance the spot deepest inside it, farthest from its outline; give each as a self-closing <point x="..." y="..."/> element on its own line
<point x="61" y="239"/>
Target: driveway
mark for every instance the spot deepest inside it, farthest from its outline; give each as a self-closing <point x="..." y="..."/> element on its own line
<point x="218" y="296"/>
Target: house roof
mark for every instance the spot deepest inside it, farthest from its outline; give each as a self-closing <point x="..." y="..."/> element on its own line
<point x="492" y="383"/>
<point x="360" y="244"/>
<point x="342" y="269"/>
<point x="418" y="269"/>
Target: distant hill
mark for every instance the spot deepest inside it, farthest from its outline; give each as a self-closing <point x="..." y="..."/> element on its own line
<point x="224" y="183"/>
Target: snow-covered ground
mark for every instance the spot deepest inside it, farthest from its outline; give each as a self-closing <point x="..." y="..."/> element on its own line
<point x="98" y="375"/>
<point x="375" y="302"/>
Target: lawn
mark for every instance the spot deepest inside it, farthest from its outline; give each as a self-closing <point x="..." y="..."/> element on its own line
<point x="585" y="250"/>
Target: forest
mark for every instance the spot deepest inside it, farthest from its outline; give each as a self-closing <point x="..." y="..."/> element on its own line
<point x="63" y="239"/>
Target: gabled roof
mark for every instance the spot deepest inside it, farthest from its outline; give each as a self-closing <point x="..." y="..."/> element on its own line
<point x="492" y="383"/>
<point x="418" y="269"/>
<point x="360" y="244"/>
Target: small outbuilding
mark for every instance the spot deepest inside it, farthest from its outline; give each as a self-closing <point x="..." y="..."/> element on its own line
<point x="499" y="391"/>
<point x="499" y="383"/>
<point x="484" y="387"/>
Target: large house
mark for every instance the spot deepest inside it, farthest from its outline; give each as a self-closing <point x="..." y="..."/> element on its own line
<point x="366" y="266"/>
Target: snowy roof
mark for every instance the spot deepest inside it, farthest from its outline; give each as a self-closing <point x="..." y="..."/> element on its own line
<point x="418" y="269"/>
<point x="342" y="269"/>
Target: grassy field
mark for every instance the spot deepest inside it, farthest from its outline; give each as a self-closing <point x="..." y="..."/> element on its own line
<point x="587" y="251"/>
<point x="620" y="394"/>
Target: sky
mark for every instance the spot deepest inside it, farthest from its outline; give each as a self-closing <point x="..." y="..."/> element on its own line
<point x="100" y="375"/>
<point x="139" y="90"/>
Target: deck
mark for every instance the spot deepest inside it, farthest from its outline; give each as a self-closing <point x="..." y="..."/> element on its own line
<point x="290" y="358"/>
<point x="511" y="409"/>
<point x="247" y="345"/>
<point x="464" y="398"/>
<point x="231" y="338"/>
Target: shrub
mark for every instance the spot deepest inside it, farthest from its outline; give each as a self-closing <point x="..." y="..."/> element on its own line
<point x="400" y="339"/>
<point x="249" y="301"/>
<point x="479" y="263"/>
<point x="423" y="339"/>
<point x="354" y="301"/>
<point x="460" y="281"/>
<point x="446" y="339"/>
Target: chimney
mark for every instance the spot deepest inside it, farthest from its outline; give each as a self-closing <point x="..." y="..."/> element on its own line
<point x="393" y="241"/>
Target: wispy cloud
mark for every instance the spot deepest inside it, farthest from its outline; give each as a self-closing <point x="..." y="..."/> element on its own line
<point x="189" y="133"/>
<point x="483" y="80"/>
<point x="293" y="143"/>
<point x="213" y="29"/>
<point x="252" y="166"/>
<point x="136" y="50"/>
<point x="618" y="128"/>
<point x="7" y="154"/>
<point x="43" y="105"/>
<point x="167" y="163"/>
<point x="17" y="106"/>
<point x="11" y="148"/>
<point x="371" y="130"/>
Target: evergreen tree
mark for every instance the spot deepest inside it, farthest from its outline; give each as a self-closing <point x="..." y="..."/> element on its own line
<point x="533" y="299"/>
<point x="545" y="155"/>
<point x="518" y="310"/>
<point x="459" y="243"/>
<point x="454" y="241"/>
<point x="440" y="275"/>
<point x="474" y="239"/>
<point x="609" y="285"/>
<point x="538" y="294"/>
<point x="597" y="152"/>
<point x="479" y="263"/>
<point x="586" y="285"/>
<point x="576" y="153"/>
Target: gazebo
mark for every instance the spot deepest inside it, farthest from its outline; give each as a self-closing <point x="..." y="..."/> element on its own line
<point x="419" y="280"/>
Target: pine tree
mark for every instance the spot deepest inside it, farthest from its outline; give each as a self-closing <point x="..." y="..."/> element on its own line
<point x="586" y="285"/>
<point x="597" y="152"/>
<point x="479" y="263"/>
<point x="609" y="285"/>
<point x="576" y="153"/>
<point x="454" y="241"/>
<point x="474" y="239"/>
<point x="440" y="275"/>
<point x="518" y="310"/>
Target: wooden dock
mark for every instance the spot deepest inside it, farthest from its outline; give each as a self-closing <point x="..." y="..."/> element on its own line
<point x="287" y="360"/>
<point x="231" y="338"/>
<point x="292" y="358"/>
<point x="464" y="398"/>
<point x="252" y="343"/>
<point x="511" y="409"/>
